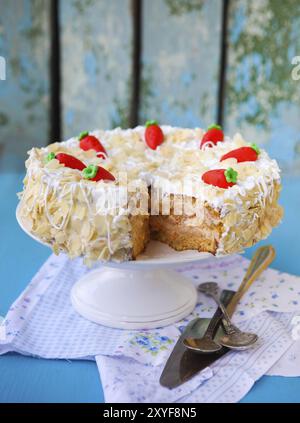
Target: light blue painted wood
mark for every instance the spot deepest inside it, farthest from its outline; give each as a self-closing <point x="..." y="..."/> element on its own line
<point x="262" y="97"/>
<point x="179" y="78"/>
<point x="31" y="380"/>
<point x="181" y="61"/>
<point x="96" y="64"/>
<point x="24" y="95"/>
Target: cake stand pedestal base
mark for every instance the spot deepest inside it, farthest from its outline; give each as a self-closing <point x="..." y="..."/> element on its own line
<point x="133" y="299"/>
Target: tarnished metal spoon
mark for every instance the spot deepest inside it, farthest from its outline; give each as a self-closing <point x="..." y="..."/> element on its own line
<point x="234" y="337"/>
<point x="206" y="344"/>
<point x="259" y="262"/>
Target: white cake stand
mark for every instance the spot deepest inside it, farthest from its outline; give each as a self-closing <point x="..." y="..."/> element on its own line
<point x="141" y="294"/>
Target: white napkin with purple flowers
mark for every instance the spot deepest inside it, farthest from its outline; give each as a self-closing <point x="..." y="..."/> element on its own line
<point x="43" y="323"/>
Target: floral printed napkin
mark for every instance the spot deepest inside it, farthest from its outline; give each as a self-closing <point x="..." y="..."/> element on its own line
<point x="226" y="380"/>
<point x="42" y="322"/>
<point x="289" y="363"/>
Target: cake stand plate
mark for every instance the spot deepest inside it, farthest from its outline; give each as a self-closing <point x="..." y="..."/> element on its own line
<point x="141" y="294"/>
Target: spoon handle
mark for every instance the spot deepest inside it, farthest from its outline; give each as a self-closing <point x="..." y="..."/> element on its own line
<point x="214" y="321"/>
<point x="211" y="328"/>
<point x="262" y="258"/>
<point x="226" y="317"/>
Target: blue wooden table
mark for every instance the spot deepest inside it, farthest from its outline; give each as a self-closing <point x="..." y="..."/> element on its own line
<point x="26" y="379"/>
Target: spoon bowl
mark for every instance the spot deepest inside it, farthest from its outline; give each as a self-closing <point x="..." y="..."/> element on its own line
<point x="208" y="288"/>
<point x="202" y="345"/>
<point x="234" y="338"/>
<point x="238" y="340"/>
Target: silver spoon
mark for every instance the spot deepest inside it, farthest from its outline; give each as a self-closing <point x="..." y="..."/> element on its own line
<point x="206" y="344"/>
<point x="234" y="338"/>
<point x="260" y="261"/>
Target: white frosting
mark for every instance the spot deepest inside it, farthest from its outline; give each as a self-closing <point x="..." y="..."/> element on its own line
<point x="175" y="167"/>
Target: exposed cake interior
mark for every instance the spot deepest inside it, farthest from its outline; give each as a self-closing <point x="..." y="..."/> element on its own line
<point x="184" y="233"/>
<point x="206" y="234"/>
<point x="140" y="234"/>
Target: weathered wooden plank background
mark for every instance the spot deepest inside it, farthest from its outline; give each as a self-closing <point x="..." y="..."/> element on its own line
<point x="180" y="58"/>
<point x="24" y="95"/>
<point x="96" y="38"/>
<point x="262" y="98"/>
<point x="181" y="46"/>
